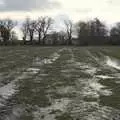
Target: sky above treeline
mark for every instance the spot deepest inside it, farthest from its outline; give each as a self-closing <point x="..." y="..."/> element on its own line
<point x="105" y="10"/>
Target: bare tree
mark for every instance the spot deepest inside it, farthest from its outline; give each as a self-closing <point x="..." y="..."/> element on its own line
<point x="28" y="29"/>
<point x="6" y="27"/>
<point x="31" y="29"/>
<point x="69" y="30"/>
<point x="24" y="29"/>
<point x="46" y="24"/>
<point x="39" y="25"/>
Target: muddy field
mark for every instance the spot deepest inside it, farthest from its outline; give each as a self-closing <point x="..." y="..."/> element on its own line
<point x="59" y="83"/>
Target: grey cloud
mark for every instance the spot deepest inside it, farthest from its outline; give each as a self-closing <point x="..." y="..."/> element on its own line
<point x="26" y="5"/>
<point x="83" y="10"/>
<point x="113" y="2"/>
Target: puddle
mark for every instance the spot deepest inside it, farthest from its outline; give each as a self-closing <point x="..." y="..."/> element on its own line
<point x="49" y="113"/>
<point x="93" y="89"/>
<point x="112" y="63"/>
<point x="66" y="90"/>
<point x="7" y="90"/>
<point x="15" y="114"/>
<point x="33" y="70"/>
<point x="104" y="77"/>
<point x="38" y="61"/>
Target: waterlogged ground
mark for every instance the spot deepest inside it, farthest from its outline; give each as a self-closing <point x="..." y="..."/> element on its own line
<point x="59" y="83"/>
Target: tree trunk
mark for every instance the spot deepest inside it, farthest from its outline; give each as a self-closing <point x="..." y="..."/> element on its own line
<point x="39" y="39"/>
<point x="31" y="39"/>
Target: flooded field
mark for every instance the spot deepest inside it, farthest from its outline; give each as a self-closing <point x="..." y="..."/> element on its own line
<point x="59" y="83"/>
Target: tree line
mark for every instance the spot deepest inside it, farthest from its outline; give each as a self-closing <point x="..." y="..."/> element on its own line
<point x="41" y="32"/>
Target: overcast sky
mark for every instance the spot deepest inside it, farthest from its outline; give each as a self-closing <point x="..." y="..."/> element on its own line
<point x="106" y="10"/>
